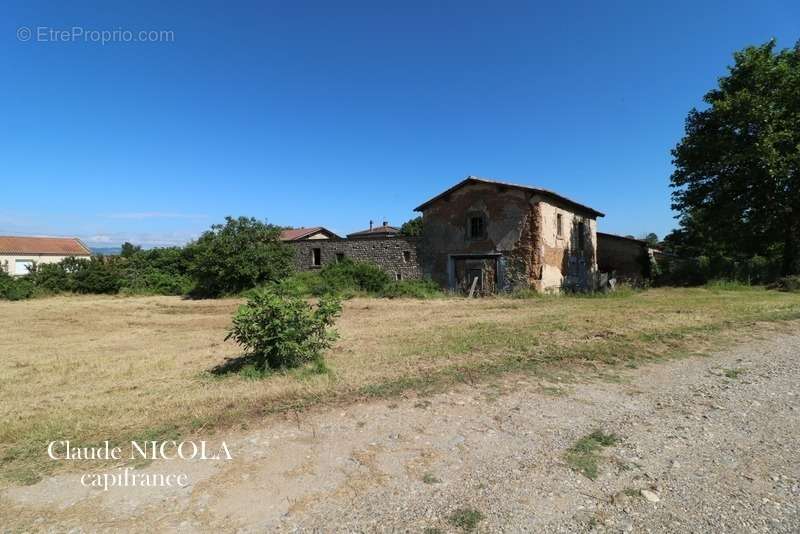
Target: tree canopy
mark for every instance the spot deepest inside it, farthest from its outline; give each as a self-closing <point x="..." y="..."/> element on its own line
<point x="737" y="169"/>
<point x="412" y="227"/>
<point x="237" y="255"/>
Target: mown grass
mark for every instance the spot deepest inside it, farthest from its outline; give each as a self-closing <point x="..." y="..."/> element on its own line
<point x="90" y="369"/>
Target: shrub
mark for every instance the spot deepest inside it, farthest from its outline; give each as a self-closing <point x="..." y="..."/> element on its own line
<point x="241" y="254"/>
<point x="151" y="281"/>
<point x="96" y="275"/>
<point x="787" y="283"/>
<point x="302" y="284"/>
<point x="53" y="277"/>
<point x="15" y="288"/>
<point x="348" y="276"/>
<point x="417" y="289"/>
<point x="281" y="330"/>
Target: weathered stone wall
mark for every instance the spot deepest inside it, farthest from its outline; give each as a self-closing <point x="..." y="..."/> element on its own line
<point x="395" y="255"/>
<point x="626" y="258"/>
<point x="566" y="264"/>
<point x="444" y="230"/>
<point x="521" y="233"/>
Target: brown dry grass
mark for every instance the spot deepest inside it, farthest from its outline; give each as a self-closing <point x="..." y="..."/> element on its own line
<point x="93" y="368"/>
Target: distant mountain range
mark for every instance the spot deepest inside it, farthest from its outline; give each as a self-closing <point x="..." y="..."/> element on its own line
<point x="106" y="251"/>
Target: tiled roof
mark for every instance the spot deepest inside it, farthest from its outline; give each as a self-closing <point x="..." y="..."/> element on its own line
<point x="536" y="190"/>
<point x="60" y="246"/>
<point x="376" y="230"/>
<point x="293" y="234"/>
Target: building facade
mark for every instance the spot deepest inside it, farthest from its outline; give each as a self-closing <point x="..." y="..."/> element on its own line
<point x="20" y="254"/>
<point x="492" y="236"/>
<point x="480" y="235"/>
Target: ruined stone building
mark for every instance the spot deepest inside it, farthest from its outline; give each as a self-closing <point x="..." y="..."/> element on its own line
<point x="493" y="235"/>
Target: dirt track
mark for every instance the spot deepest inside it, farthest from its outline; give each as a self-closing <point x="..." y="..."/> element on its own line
<point x="720" y="453"/>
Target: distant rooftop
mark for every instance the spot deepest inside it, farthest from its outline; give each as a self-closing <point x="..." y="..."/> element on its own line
<point x="295" y="234"/>
<point x="55" y="246"/>
<point x="383" y="230"/>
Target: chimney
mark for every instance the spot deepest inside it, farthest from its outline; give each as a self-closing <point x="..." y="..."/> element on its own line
<point x="370" y="225"/>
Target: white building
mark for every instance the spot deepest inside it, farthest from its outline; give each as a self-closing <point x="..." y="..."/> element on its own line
<point x="18" y="254"/>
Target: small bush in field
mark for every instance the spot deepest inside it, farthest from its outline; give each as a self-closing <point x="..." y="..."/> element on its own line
<point x="281" y="330"/>
<point x="416" y="289"/>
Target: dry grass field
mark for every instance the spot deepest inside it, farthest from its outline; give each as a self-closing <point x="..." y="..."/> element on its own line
<point x="89" y="368"/>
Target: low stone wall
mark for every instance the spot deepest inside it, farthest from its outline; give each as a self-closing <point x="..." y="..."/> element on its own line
<point x="397" y="256"/>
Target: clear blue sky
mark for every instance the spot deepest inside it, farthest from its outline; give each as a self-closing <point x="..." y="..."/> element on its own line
<point x="335" y="113"/>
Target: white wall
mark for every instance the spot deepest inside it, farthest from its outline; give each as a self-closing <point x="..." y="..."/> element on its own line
<point x="8" y="262"/>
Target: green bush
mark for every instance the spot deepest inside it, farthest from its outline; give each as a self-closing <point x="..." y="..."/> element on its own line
<point x="96" y="275"/>
<point x="52" y="277"/>
<point x="417" y="289"/>
<point x="280" y="330"/>
<point x="241" y="254"/>
<point x="302" y="284"/>
<point x="714" y="268"/>
<point x="15" y="288"/>
<point x="348" y="276"/>
<point x="151" y="281"/>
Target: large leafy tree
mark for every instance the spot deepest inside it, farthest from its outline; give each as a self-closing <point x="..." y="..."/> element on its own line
<point x="737" y="170"/>
<point x="412" y="227"/>
<point x="237" y="255"/>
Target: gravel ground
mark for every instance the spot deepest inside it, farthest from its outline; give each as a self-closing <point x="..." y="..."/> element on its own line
<point x="706" y="444"/>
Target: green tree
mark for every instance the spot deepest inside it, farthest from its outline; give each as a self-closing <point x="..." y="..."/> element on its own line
<point x="412" y="227"/>
<point x="651" y="239"/>
<point x="129" y="249"/>
<point x="737" y="169"/>
<point x="237" y="255"/>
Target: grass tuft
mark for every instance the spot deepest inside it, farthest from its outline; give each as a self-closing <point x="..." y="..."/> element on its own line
<point x="429" y="478"/>
<point x="466" y="519"/>
<point x="734" y="373"/>
<point x="583" y="456"/>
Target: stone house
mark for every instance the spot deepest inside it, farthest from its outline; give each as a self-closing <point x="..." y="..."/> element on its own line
<point x="19" y="254"/>
<point x="383" y="230"/>
<point x="508" y="236"/>
<point x="497" y="235"/>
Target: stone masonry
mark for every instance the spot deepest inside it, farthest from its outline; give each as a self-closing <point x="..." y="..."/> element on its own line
<point x="397" y="256"/>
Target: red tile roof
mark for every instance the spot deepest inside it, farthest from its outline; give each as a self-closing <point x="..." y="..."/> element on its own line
<point x="293" y="234"/>
<point x="58" y="246"/>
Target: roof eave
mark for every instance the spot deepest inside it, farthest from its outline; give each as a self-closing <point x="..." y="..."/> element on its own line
<point x="475" y="179"/>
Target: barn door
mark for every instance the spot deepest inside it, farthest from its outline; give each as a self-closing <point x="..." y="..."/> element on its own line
<point x="484" y="270"/>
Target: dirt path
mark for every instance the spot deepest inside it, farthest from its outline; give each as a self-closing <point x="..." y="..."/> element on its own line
<point x="719" y="453"/>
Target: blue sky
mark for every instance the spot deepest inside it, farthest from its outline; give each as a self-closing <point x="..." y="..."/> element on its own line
<point x="335" y="113"/>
